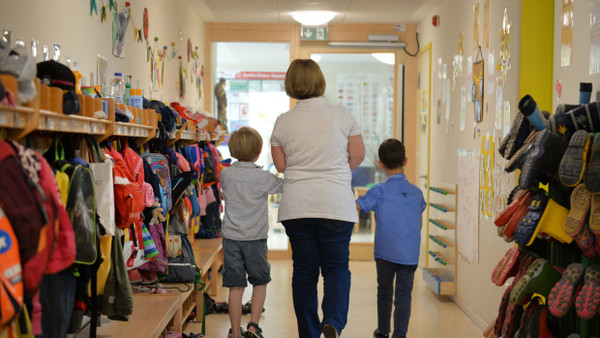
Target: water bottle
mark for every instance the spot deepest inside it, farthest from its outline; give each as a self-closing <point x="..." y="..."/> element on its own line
<point x="117" y="88"/>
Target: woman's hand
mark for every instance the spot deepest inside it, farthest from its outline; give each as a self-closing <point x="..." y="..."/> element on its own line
<point x="356" y="151"/>
<point x="279" y="158"/>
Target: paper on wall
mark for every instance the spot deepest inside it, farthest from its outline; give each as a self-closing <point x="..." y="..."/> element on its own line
<point x="594" y="66"/>
<point x="463" y="108"/>
<point x="499" y="112"/>
<point x="491" y="69"/>
<point x="566" y="33"/>
<point x="506" y="108"/>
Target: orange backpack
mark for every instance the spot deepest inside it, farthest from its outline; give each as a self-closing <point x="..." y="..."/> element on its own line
<point x="11" y="278"/>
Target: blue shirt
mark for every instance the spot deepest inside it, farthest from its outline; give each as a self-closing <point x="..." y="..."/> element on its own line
<point x="398" y="205"/>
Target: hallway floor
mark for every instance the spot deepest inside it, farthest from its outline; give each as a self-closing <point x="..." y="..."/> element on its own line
<point x="432" y="316"/>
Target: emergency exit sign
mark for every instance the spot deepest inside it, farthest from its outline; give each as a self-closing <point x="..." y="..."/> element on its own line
<point x="314" y="33"/>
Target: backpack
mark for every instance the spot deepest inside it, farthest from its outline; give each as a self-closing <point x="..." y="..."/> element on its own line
<point x="11" y="279"/>
<point x="160" y="166"/>
<point x="129" y="197"/>
<point x="81" y="207"/>
<point x="193" y="154"/>
<point x="182" y="269"/>
<point x="29" y="198"/>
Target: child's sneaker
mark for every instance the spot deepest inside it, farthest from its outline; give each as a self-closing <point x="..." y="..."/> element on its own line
<point x="376" y="334"/>
<point x="230" y="334"/>
<point x="252" y="334"/>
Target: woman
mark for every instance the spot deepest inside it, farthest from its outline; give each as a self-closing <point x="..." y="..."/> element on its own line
<point x="317" y="145"/>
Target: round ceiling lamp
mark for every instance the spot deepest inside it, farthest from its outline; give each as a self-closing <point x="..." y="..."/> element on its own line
<point x="313" y="18"/>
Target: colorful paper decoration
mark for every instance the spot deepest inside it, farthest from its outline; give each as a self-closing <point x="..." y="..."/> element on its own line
<point x="457" y="62"/>
<point x="504" y="59"/>
<point x="478" y="77"/>
<point x="146" y="24"/>
<point x="93" y="7"/>
<point x="189" y="49"/>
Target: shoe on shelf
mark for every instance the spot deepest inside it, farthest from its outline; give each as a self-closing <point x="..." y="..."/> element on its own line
<point x="573" y="163"/>
<point x="592" y="170"/>
<point x="552" y="223"/>
<point x="539" y="278"/>
<point x="581" y="200"/>
<point x="567" y="119"/>
<point x="529" y="223"/>
<point x="257" y="333"/>
<point x="506" y="214"/>
<point x="586" y="242"/>
<point x="330" y="331"/>
<point x="562" y="295"/>
<point x="520" y="212"/>
<point x="507" y="267"/>
<point x="376" y="334"/>
<point x="510" y="144"/>
<point x="544" y="157"/>
<point x="517" y="159"/>
<point x="512" y="319"/>
<point x="230" y="334"/>
<point x="498" y="323"/>
<point x="588" y="299"/>
<point x="595" y="214"/>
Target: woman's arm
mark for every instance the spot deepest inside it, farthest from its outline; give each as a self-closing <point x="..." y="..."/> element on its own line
<point x="278" y="158"/>
<point x="356" y="151"/>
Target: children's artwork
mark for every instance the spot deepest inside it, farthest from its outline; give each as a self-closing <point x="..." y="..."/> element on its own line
<point x="457" y="62"/>
<point x="146" y="24"/>
<point x="182" y="79"/>
<point x="463" y="107"/>
<point x="467" y="222"/>
<point x="504" y="58"/>
<point x="119" y="28"/>
<point x="477" y="92"/>
<point x="486" y="170"/>
<point x="491" y="72"/>
<point x="566" y="33"/>
<point x="475" y="26"/>
<point x="486" y="23"/>
<point x="594" y="37"/>
<point x="499" y="111"/>
<point x="506" y="109"/>
<point x="102" y="73"/>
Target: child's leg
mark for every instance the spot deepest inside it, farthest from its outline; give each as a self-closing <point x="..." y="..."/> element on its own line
<point x="405" y="275"/>
<point x="385" y="294"/>
<point x="235" y="310"/>
<point x="259" y="293"/>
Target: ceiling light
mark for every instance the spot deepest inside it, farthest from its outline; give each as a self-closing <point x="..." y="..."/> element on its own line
<point x="313" y="18"/>
<point x="366" y="44"/>
<point x="387" y="58"/>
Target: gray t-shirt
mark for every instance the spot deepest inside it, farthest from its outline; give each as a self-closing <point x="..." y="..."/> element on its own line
<point x="245" y="188"/>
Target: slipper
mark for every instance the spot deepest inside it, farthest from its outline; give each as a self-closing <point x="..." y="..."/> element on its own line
<point x="562" y="295"/>
<point x="512" y="318"/>
<point x="586" y="242"/>
<point x="592" y="170"/>
<point x="539" y="278"/>
<point x="581" y="200"/>
<point x="528" y="224"/>
<point x="595" y="213"/>
<point x="572" y="164"/>
<point x="588" y="299"/>
<point x="517" y="159"/>
<point x="501" y="312"/>
<point x="526" y="317"/>
<point x="521" y="212"/>
<point x="552" y="223"/>
<point x="507" y="266"/>
<point x="505" y="215"/>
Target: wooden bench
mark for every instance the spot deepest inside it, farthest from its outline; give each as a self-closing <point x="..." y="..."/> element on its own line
<point x="151" y="315"/>
<point x="209" y="258"/>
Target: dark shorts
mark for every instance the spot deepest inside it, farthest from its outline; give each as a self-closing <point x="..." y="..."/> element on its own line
<point x="243" y="258"/>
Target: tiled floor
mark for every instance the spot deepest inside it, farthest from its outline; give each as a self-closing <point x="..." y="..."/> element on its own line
<point x="432" y="316"/>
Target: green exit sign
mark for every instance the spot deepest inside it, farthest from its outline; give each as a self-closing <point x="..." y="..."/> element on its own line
<point x="314" y="33"/>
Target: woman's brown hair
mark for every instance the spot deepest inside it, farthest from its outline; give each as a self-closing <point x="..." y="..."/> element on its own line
<point x="304" y="80"/>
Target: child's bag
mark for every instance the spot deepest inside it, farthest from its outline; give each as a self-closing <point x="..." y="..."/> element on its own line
<point x="182" y="269"/>
<point x="81" y="207"/>
<point x="11" y="279"/>
<point x="160" y="166"/>
<point x="129" y="197"/>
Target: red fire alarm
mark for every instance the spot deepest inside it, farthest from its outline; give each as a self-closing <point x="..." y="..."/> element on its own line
<point x="435" y="20"/>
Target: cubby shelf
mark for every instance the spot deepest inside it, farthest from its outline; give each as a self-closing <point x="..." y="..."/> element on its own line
<point x="44" y="113"/>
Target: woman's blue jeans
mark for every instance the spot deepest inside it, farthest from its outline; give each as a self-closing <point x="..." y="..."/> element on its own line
<point x="320" y="244"/>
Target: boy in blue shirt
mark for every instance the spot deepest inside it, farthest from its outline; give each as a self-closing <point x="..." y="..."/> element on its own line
<point x="398" y="205"/>
<point x="245" y="188"/>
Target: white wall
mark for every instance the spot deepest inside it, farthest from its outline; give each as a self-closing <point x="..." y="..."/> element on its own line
<point x="475" y="292"/>
<point x="570" y="76"/>
<point x="83" y="37"/>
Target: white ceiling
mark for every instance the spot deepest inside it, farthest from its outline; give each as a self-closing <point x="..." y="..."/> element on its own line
<point x="348" y="11"/>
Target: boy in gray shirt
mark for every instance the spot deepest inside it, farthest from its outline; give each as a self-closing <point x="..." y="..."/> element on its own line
<point x="245" y="188"/>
